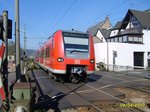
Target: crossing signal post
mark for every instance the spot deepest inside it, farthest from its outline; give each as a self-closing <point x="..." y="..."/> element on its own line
<point x="5" y="41"/>
<point x="5" y="34"/>
<point x="9" y="28"/>
<point x="1" y="26"/>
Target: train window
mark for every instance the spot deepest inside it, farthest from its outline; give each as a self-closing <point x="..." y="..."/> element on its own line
<point x="78" y="41"/>
<point x="41" y="53"/>
<point x="76" y="35"/>
<point x="53" y="41"/>
<point x="47" y="51"/>
<point x="76" y="45"/>
<point x="37" y="54"/>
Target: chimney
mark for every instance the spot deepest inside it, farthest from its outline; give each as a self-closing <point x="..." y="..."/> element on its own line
<point x="107" y="18"/>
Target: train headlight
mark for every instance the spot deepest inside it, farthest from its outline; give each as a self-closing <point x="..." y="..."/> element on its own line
<point x="60" y="59"/>
<point x="92" y="60"/>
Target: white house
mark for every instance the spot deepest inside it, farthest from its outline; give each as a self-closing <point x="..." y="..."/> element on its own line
<point x="128" y="43"/>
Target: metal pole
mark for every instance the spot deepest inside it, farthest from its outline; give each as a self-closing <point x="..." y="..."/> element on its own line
<point x="24" y="40"/>
<point x="107" y="55"/>
<point x="5" y="60"/>
<point x="17" y="30"/>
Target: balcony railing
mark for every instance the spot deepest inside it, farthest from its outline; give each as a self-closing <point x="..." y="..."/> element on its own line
<point x="131" y="31"/>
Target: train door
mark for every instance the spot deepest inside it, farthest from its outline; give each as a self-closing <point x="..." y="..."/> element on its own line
<point x="44" y="56"/>
<point x="40" y="55"/>
<point x="52" y="52"/>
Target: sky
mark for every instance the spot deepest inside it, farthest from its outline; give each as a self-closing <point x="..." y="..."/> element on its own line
<point x="43" y="17"/>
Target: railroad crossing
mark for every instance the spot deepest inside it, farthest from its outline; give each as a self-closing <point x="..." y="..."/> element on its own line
<point x="102" y="91"/>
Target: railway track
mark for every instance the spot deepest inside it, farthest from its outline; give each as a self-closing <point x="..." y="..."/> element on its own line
<point x="74" y="91"/>
<point x="100" y="106"/>
<point x="145" y="89"/>
<point x="137" y="95"/>
<point x="140" y="93"/>
<point x="85" y="92"/>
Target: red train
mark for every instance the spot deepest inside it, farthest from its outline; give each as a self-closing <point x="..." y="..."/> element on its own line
<point x="68" y="55"/>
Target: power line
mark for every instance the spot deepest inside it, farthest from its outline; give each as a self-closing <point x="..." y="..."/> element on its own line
<point x="132" y="4"/>
<point x="59" y="20"/>
<point x="60" y="8"/>
<point x="108" y="12"/>
<point x="35" y="38"/>
<point x="57" y="12"/>
<point x="91" y="12"/>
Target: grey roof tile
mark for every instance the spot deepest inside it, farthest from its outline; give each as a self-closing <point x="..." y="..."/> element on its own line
<point x="93" y="30"/>
<point x="143" y="17"/>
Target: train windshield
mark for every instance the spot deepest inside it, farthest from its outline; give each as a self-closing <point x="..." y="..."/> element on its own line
<point x="76" y="45"/>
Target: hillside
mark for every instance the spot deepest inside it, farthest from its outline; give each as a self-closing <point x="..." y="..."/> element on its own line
<point x="11" y="50"/>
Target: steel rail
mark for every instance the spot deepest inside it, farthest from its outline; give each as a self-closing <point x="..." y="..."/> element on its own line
<point x="74" y="91"/>
<point x="123" y="101"/>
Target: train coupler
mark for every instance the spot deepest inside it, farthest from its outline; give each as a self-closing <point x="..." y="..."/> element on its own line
<point x="78" y="74"/>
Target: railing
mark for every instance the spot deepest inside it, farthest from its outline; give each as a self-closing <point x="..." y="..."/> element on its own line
<point x="130" y="30"/>
<point x="117" y="68"/>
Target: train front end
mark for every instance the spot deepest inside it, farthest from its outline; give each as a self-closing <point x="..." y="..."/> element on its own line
<point x="78" y="56"/>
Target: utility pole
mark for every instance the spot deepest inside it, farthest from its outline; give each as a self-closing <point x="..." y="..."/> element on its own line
<point x="5" y="60"/>
<point x="24" y="51"/>
<point x="24" y="40"/>
<point x="107" y="55"/>
<point x="17" y="32"/>
<point x="24" y="32"/>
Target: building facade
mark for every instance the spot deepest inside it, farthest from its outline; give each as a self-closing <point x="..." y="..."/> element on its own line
<point x="128" y="43"/>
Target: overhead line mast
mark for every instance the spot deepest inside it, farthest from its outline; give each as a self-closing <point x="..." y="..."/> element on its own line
<point x="17" y="34"/>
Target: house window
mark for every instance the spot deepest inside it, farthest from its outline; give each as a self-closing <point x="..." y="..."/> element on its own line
<point x="108" y="40"/>
<point x="130" y="39"/>
<point x="140" y="39"/>
<point x="112" y="40"/>
<point x="124" y="38"/>
<point x="120" y="39"/>
<point x="116" y="39"/>
<point x="136" y="39"/>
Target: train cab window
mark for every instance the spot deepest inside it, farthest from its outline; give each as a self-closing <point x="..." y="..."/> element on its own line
<point x="76" y="45"/>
